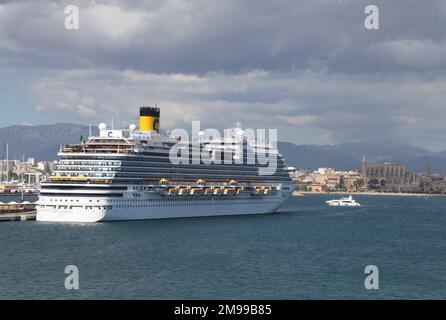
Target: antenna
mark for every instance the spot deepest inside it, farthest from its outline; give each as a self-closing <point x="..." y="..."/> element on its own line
<point x="113" y="124"/>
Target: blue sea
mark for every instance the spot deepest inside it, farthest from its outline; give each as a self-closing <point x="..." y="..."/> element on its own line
<point x="307" y="251"/>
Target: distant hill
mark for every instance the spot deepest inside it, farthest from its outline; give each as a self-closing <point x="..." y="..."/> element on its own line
<point x="44" y="141"/>
<point x="349" y="155"/>
<point x="41" y="141"/>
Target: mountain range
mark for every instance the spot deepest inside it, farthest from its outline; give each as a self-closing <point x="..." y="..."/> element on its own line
<point x="43" y="142"/>
<point x="348" y="156"/>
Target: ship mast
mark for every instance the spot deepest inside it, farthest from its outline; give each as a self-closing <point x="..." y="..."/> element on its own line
<point x="1" y="171"/>
<point x="7" y="163"/>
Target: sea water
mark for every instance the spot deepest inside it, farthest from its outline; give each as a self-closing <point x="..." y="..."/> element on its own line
<point x="307" y="251"/>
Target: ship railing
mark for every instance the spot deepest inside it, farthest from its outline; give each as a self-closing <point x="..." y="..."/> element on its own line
<point x="99" y="152"/>
<point x="77" y="180"/>
<point x="79" y="148"/>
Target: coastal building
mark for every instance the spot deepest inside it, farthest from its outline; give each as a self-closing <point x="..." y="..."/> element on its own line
<point x="321" y="176"/>
<point x="6" y="169"/>
<point x="389" y="177"/>
<point x="29" y="172"/>
<point x="433" y="184"/>
<point x="327" y="179"/>
<point x="333" y="181"/>
<point x="352" y="181"/>
<point x="388" y="173"/>
<point x="44" y="167"/>
<point x="316" y="187"/>
<point x="32" y="161"/>
<point x="386" y="177"/>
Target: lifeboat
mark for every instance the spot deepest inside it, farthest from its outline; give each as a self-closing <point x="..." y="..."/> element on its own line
<point x="56" y="177"/>
<point x="229" y="191"/>
<point x="172" y="191"/>
<point x="195" y="191"/>
<point x="98" y="180"/>
<point x="258" y="190"/>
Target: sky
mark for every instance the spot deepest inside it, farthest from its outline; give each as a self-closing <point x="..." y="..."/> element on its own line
<point x="308" y="68"/>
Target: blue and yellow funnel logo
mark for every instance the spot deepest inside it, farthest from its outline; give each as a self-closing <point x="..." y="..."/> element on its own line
<point x="156" y="124"/>
<point x="149" y="119"/>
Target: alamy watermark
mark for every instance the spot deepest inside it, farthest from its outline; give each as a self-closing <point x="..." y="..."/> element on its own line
<point x="249" y="146"/>
<point x="371" y="22"/>
<point x="72" y="18"/>
<point x="371" y="282"/>
<point x="72" y="280"/>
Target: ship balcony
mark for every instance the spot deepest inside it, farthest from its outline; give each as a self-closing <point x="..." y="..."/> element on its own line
<point x="120" y="148"/>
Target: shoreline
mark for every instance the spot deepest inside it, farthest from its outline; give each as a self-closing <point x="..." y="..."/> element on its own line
<point x="387" y="194"/>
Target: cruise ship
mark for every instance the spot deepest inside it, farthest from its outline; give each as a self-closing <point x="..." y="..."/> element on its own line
<point x="129" y="175"/>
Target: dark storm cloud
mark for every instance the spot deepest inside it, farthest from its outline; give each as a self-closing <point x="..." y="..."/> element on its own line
<point x="230" y="36"/>
<point x="306" y="67"/>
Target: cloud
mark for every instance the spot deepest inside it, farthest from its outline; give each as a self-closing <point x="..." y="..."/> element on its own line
<point x="412" y="54"/>
<point x="179" y="36"/>
<point x="307" y="106"/>
<point x="307" y="67"/>
<point x="299" y="120"/>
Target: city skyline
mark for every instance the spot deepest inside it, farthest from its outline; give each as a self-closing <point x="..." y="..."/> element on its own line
<point x="307" y="68"/>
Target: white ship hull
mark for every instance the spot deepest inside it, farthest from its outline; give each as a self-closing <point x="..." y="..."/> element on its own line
<point x="157" y="207"/>
<point x="337" y="204"/>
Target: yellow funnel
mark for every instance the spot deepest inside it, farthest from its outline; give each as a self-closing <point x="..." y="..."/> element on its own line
<point x="149" y="119"/>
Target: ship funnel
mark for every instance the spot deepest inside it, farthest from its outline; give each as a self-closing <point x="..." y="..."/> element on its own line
<point x="149" y="119"/>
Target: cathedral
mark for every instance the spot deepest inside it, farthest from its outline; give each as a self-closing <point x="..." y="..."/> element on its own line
<point x="391" y="177"/>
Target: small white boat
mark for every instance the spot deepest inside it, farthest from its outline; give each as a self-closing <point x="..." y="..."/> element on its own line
<point x="343" y="202"/>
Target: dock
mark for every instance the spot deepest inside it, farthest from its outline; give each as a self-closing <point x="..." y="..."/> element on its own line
<point x="18" y="211"/>
<point x="16" y="216"/>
